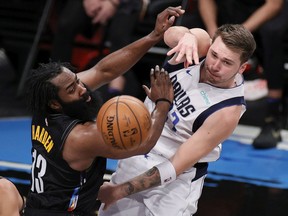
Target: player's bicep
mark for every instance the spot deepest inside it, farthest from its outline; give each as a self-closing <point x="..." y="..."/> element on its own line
<point x="94" y="78"/>
<point x="215" y="129"/>
<point x="86" y="142"/>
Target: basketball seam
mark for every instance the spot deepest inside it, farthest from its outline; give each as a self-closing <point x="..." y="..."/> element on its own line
<point x="135" y="116"/>
<point x="117" y="121"/>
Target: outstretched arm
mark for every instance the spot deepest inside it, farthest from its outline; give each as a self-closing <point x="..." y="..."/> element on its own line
<point x="208" y="12"/>
<point x="85" y="142"/>
<point x="215" y="129"/>
<point x="263" y="14"/>
<point x="188" y="45"/>
<point x="120" y="61"/>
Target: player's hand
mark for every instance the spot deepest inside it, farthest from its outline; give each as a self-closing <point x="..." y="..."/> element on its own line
<point x="165" y="19"/>
<point x="108" y="194"/>
<point x="161" y="86"/>
<point x="185" y="51"/>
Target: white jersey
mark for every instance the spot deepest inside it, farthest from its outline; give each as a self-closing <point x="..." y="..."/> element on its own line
<point x="193" y="103"/>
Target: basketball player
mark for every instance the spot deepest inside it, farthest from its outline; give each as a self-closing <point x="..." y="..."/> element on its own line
<point x="11" y="202"/>
<point x="208" y="103"/>
<point x="68" y="152"/>
<point x="268" y="21"/>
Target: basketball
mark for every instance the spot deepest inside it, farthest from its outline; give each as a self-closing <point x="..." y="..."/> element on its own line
<point x="124" y="122"/>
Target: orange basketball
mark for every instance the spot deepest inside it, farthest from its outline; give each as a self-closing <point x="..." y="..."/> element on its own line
<point x="124" y="122"/>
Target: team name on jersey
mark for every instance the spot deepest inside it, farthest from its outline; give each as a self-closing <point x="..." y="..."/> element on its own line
<point x="181" y="99"/>
<point x="41" y="135"/>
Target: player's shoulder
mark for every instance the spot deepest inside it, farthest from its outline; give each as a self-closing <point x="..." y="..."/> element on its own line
<point x="83" y="129"/>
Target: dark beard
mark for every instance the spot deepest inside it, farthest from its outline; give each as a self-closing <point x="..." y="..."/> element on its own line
<point x="80" y="109"/>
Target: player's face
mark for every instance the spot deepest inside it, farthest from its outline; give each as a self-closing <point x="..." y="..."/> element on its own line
<point x="221" y="65"/>
<point x="75" y="98"/>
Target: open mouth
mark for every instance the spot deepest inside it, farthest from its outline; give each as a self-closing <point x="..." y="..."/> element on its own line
<point x="88" y="99"/>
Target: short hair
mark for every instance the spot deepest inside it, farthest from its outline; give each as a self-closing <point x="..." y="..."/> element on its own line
<point x="40" y="90"/>
<point x="237" y="38"/>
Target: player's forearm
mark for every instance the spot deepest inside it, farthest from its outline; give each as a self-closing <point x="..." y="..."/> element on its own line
<point x="173" y="35"/>
<point x="158" y="117"/>
<point x="208" y="12"/>
<point x="122" y="60"/>
<point x="263" y="14"/>
<point x="203" y="40"/>
<point x="187" y="44"/>
<point x="147" y="180"/>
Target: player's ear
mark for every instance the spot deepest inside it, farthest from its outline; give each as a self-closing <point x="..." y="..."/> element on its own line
<point x="243" y="67"/>
<point x="54" y="104"/>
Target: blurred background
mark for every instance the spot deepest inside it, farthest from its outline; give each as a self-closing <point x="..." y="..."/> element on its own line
<point x="245" y="181"/>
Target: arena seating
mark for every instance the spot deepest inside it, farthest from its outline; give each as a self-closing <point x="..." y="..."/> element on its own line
<point x="21" y="25"/>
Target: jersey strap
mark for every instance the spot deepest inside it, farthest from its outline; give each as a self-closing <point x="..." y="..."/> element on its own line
<point x="226" y="103"/>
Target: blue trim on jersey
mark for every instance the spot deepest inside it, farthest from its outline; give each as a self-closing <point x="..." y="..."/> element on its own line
<point x="204" y="115"/>
<point x="171" y="68"/>
<point x="201" y="170"/>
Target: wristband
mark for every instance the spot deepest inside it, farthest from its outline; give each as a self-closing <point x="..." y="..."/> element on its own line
<point x="163" y="99"/>
<point x="167" y="172"/>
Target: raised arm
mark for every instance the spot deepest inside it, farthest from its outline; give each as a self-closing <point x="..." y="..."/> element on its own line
<point x="161" y="88"/>
<point x="208" y="12"/>
<point x="214" y="130"/>
<point x="123" y="59"/>
<point x="188" y="45"/>
<point x="85" y="142"/>
<point x="264" y="13"/>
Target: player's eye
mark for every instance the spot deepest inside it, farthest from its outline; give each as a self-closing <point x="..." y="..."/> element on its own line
<point x="71" y="89"/>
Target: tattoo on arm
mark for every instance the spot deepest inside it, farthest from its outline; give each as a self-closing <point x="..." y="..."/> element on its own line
<point x="147" y="180"/>
<point x="130" y="188"/>
<point x="153" y="177"/>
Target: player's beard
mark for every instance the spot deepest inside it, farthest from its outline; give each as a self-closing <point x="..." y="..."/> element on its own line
<point x="80" y="109"/>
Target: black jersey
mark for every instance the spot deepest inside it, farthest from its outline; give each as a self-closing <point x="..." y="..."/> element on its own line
<point x="54" y="184"/>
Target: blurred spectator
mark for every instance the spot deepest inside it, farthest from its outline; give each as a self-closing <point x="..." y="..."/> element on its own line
<point x="268" y="21"/>
<point x="117" y="17"/>
<point x="119" y="33"/>
<point x="78" y="17"/>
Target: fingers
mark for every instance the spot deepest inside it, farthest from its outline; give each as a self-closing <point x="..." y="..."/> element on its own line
<point x="166" y="18"/>
<point x="186" y="54"/>
<point x="152" y="76"/>
<point x="195" y="56"/>
<point x="171" y="13"/>
<point x="174" y="11"/>
<point x="161" y="85"/>
<point x="159" y="75"/>
<point x="172" y="51"/>
<point x="186" y="49"/>
<point x="152" y="82"/>
<point x="171" y="20"/>
<point x="147" y="90"/>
